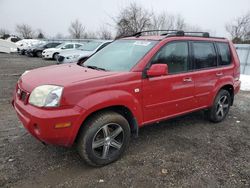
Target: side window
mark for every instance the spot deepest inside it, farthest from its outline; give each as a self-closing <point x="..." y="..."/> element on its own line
<point x="77" y="45"/>
<point x="175" y="55"/>
<point x="204" y="55"/>
<point x="68" y="46"/>
<point x="224" y="53"/>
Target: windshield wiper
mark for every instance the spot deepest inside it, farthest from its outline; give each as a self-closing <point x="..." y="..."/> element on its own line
<point x="94" y="67"/>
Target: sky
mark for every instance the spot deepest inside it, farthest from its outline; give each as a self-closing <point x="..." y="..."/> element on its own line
<point x="55" y="16"/>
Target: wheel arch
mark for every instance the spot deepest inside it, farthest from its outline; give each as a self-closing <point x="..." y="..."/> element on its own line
<point x="228" y="87"/>
<point x="120" y="109"/>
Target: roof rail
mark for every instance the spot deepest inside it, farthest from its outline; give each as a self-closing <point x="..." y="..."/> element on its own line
<point x="138" y="34"/>
<point x="172" y="33"/>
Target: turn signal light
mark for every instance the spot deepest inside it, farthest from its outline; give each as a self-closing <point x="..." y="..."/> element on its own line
<point x="62" y="125"/>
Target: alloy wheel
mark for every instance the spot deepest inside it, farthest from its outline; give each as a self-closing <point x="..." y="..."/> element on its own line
<point x="222" y="106"/>
<point x="108" y="140"/>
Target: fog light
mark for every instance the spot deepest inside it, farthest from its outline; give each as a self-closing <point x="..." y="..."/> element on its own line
<point x="62" y="125"/>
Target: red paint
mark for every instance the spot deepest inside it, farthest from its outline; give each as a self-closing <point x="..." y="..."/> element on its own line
<point x="149" y="99"/>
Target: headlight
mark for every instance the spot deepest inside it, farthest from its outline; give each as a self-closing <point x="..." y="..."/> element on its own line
<point x="46" y="96"/>
<point x="73" y="57"/>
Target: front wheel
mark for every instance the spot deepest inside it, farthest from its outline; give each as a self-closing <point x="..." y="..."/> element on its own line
<point x="103" y="138"/>
<point x="55" y="56"/>
<point x="221" y="106"/>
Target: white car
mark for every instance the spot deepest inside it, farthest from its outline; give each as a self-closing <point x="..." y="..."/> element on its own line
<point x="24" y="44"/>
<point x="80" y="54"/>
<point x="52" y="53"/>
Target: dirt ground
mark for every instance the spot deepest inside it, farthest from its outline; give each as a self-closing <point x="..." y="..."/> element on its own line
<point x="187" y="151"/>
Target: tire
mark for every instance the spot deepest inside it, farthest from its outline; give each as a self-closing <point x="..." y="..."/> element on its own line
<point x="221" y="106"/>
<point x="104" y="138"/>
<point x="55" y="56"/>
<point x="39" y="54"/>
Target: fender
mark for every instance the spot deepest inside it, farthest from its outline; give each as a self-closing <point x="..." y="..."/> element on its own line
<point x="105" y="99"/>
<point x="226" y="80"/>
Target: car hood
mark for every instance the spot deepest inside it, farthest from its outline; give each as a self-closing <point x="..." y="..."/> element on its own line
<point x="75" y="52"/>
<point x="51" y="49"/>
<point x="61" y="75"/>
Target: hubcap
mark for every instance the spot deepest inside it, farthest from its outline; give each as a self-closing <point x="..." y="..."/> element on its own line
<point x="222" y="106"/>
<point x="108" y="140"/>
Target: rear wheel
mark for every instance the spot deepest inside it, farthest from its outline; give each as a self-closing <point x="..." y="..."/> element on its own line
<point x="221" y="106"/>
<point x="104" y="138"/>
<point x="39" y="54"/>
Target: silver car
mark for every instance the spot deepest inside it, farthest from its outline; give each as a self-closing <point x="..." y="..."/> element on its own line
<point x="80" y="54"/>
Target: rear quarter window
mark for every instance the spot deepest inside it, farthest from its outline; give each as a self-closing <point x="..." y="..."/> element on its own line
<point x="223" y="53"/>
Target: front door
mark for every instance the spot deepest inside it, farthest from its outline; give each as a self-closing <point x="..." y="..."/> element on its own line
<point x="171" y="94"/>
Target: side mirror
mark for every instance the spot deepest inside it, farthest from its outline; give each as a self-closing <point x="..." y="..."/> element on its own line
<point x="157" y="70"/>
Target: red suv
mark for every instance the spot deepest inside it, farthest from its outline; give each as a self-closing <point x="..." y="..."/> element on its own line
<point x="132" y="82"/>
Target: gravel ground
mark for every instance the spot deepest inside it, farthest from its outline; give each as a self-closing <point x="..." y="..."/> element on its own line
<point x="184" y="152"/>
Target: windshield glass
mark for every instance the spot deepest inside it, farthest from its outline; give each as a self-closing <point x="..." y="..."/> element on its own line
<point x="90" y="46"/>
<point x="61" y="45"/>
<point x="120" y="55"/>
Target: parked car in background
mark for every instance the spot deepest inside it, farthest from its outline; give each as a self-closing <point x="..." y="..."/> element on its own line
<point x="52" y="53"/>
<point x="131" y="83"/>
<point x="7" y="46"/>
<point x="80" y="54"/>
<point x="36" y="50"/>
<point x="24" y="44"/>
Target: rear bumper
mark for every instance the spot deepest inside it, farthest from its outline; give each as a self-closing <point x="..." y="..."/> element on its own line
<point x="41" y="122"/>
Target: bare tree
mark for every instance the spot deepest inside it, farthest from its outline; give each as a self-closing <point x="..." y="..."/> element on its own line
<point x="165" y="21"/>
<point x="76" y="29"/>
<point x="104" y="33"/>
<point x="179" y="23"/>
<point x="90" y="35"/>
<point x="25" y="31"/>
<point x="239" y="29"/>
<point x="132" y="19"/>
<point x="4" y="32"/>
<point x="40" y="34"/>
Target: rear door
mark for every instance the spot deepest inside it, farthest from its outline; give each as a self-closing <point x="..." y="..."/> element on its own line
<point x="172" y="94"/>
<point x="206" y="71"/>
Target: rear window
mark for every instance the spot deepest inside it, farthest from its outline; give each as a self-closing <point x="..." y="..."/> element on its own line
<point x="223" y="53"/>
<point x="204" y="55"/>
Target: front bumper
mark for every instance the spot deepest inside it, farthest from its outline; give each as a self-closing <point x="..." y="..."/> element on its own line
<point x="47" y="55"/>
<point x="41" y="122"/>
<point x="62" y="60"/>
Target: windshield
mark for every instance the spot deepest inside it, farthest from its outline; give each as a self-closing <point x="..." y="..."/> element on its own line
<point x="90" y="46"/>
<point x="61" y="45"/>
<point x="120" y="55"/>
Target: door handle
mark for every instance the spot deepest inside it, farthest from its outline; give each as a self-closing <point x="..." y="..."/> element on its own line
<point x="187" y="79"/>
<point x="219" y="74"/>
